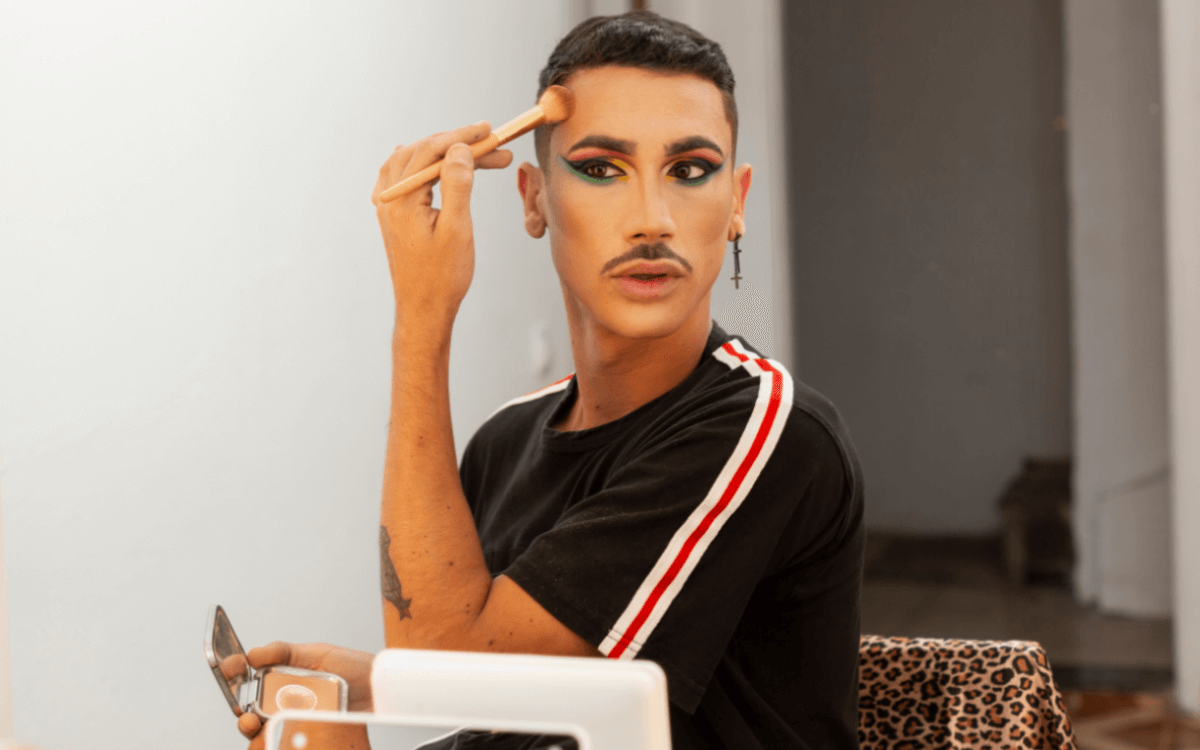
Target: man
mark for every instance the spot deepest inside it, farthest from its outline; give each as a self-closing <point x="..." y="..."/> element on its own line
<point x="679" y="497"/>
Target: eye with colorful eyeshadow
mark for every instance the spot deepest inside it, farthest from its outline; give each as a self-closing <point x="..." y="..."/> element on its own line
<point x="692" y="171"/>
<point x="599" y="171"/>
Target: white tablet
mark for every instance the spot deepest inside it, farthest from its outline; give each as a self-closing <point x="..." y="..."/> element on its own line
<point x="613" y="704"/>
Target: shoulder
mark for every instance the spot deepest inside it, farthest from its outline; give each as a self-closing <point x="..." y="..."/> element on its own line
<point x="818" y="429"/>
<point x="534" y="397"/>
<point x="794" y="421"/>
<point x="807" y="466"/>
<point x="521" y="414"/>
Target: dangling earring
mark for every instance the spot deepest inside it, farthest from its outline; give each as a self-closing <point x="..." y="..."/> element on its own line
<point x="737" y="266"/>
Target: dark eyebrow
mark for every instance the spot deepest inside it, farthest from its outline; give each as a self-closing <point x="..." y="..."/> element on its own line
<point x="691" y="144"/>
<point x="607" y="143"/>
<point x="629" y="148"/>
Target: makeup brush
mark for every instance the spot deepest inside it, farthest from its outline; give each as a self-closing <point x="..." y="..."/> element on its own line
<point x="555" y="105"/>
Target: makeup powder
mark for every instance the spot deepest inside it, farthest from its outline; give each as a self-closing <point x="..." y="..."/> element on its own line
<point x="286" y="691"/>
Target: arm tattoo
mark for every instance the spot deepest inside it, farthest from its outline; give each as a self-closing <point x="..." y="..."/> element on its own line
<point x="389" y="581"/>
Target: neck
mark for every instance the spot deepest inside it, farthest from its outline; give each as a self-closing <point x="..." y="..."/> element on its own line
<point x="615" y="375"/>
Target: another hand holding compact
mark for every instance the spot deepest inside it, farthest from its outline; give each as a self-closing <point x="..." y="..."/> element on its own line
<point x="353" y="667"/>
<point x="308" y="676"/>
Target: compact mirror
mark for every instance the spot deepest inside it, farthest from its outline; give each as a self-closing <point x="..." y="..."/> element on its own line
<point x="226" y="657"/>
<point x="270" y="689"/>
<point x="383" y="732"/>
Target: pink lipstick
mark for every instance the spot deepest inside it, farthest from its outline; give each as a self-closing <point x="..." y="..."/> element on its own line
<point x="647" y="288"/>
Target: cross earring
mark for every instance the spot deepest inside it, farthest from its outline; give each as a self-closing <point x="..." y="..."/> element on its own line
<point x="737" y="266"/>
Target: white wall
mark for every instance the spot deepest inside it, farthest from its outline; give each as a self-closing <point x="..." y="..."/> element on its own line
<point x="195" y="320"/>
<point x="1118" y="280"/>
<point x="6" y="708"/>
<point x="1180" y="28"/>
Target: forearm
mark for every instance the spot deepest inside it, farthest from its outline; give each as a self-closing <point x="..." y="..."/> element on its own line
<point x="437" y="590"/>
<point x="438" y="581"/>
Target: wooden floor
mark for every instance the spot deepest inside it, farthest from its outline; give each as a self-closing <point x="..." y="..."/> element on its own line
<point x="1130" y="721"/>
<point x="1115" y="672"/>
<point x="956" y="588"/>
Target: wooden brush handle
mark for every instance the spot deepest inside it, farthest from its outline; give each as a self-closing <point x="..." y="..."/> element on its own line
<point x="430" y="173"/>
<point x="518" y="126"/>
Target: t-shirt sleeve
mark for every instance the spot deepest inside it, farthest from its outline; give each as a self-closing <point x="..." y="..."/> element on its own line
<point x="661" y="560"/>
<point x="466" y="472"/>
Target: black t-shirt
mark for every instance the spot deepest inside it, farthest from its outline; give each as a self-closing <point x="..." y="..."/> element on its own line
<point x="716" y="530"/>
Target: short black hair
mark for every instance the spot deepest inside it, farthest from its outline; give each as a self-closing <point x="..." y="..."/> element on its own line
<point x="637" y="39"/>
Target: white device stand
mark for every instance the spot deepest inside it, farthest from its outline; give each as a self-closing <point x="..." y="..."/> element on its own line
<point x="607" y="704"/>
<point x="617" y="705"/>
<point x="407" y="732"/>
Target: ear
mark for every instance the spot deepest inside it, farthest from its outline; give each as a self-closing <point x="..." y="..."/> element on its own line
<point x="741" y="187"/>
<point x="531" y="184"/>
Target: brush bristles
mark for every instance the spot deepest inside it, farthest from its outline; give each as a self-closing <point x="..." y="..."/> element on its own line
<point x="558" y="103"/>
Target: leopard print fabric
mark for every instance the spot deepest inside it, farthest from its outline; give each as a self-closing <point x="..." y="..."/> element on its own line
<point x="939" y="694"/>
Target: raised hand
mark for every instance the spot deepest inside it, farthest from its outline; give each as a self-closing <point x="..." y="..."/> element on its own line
<point x="431" y="252"/>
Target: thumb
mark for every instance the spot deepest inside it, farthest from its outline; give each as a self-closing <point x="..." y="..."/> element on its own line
<point x="249" y="725"/>
<point x="458" y="175"/>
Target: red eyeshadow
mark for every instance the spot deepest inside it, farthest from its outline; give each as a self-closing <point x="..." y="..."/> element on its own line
<point x="703" y="153"/>
<point x="591" y="153"/>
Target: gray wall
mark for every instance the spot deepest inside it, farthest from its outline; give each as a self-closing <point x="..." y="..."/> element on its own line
<point x="929" y="237"/>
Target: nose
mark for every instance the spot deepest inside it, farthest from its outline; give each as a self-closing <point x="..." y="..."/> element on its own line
<point x="651" y="217"/>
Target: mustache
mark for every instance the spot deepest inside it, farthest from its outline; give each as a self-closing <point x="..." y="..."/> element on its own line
<point x="645" y="251"/>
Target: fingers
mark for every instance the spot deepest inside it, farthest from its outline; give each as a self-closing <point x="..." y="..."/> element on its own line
<point x="276" y="652"/>
<point x="458" y="175"/>
<point x="392" y="171"/>
<point x="249" y="725"/>
<point x="385" y="180"/>
<point x="498" y="159"/>
<point x="429" y="150"/>
<point x="407" y="160"/>
<point x="302" y="655"/>
<point x="233" y="665"/>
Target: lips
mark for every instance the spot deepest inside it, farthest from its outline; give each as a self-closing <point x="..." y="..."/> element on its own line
<point x="647" y="280"/>
<point x="651" y="268"/>
<point x="647" y="287"/>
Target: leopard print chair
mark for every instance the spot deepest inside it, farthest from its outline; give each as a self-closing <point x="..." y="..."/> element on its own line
<point x="935" y="694"/>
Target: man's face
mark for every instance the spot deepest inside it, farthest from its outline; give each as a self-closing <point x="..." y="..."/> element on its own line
<point x="639" y="174"/>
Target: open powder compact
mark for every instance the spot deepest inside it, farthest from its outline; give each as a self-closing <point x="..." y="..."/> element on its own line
<point x="270" y="689"/>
